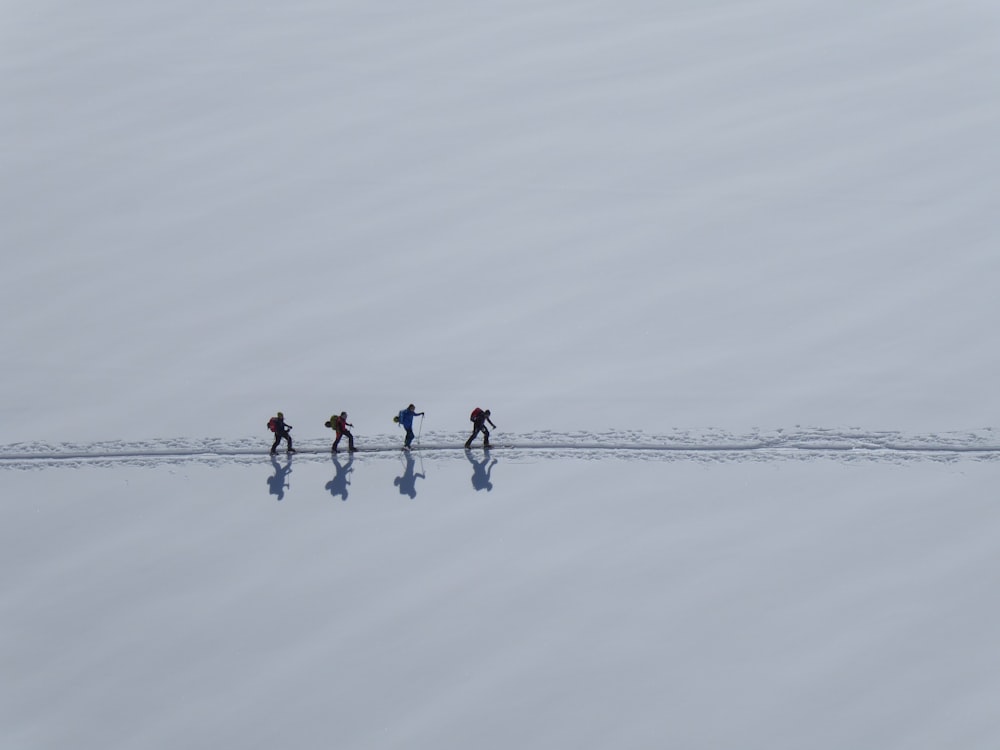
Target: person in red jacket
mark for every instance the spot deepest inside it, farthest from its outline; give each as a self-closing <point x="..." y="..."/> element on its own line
<point x="340" y="424"/>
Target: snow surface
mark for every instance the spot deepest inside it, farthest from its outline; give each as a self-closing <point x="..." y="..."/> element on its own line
<point x="724" y="272"/>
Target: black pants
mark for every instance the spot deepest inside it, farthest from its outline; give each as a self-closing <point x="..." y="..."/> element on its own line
<point x="277" y="439"/>
<point x="476" y="429"/>
<point x="350" y="440"/>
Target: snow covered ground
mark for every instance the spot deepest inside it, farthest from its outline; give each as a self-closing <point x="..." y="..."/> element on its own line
<point x="725" y="272"/>
<point x="657" y="600"/>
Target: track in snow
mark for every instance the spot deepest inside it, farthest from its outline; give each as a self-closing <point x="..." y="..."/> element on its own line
<point x="710" y="445"/>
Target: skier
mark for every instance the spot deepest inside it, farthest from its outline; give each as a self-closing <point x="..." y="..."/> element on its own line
<point x="479" y="418"/>
<point x="405" y="420"/>
<point x="280" y="429"/>
<point x="340" y="424"/>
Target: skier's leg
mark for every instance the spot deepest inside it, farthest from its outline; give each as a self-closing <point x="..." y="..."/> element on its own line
<point x="475" y="431"/>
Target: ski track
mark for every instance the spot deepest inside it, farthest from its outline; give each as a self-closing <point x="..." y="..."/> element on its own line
<point x="705" y="446"/>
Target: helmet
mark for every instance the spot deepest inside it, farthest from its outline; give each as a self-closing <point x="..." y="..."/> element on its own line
<point x="343" y="413"/>
<point x="280" y="415"/>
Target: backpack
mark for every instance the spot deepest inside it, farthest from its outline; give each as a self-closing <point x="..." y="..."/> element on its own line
<point x="272" y="424"/>
<point x="476" y="414"/>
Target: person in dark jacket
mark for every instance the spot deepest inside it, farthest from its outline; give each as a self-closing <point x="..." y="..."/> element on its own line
<point x="281" y="432"/>
<point x="479" y="419"/>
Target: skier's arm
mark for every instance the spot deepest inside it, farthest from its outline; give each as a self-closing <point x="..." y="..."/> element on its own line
<point x="491" y="423"/>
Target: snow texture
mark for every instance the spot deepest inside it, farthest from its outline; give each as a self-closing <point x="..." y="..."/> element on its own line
<point x="723" y="271"/>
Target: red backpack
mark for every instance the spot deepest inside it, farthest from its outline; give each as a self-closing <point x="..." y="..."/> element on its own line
<point x="272" y="424"/>
<point x="476" y="414"/>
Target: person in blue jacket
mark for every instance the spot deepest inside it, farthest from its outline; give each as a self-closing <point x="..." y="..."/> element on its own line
<point x="405" y="420"/>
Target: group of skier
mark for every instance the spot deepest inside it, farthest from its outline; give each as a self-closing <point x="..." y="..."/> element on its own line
<point x="339" y="424"/>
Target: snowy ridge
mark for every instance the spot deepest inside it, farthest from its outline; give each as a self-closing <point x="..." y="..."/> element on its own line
<point x="882" y="445"/>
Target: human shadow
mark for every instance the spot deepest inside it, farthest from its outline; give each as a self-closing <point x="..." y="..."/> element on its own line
<point x="338" y="485"/>
<point x="408" y="482"/>
<point x="482" y="471"/>
<point x="276" y="484"/>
